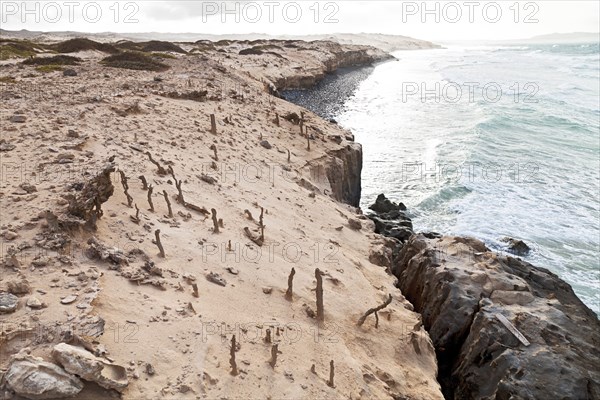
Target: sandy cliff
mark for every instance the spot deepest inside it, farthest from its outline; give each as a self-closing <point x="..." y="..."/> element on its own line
<point x="82" y="267"/>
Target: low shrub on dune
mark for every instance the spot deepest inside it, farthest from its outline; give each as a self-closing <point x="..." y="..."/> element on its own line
<point x="54" y="60"/>
<point x="135" y="61"/>
<point x="83" y="44"/>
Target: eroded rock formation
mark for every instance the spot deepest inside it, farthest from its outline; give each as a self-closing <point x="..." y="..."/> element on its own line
<point x="460" y="287"/>
<point x="331" y="56"/>
<point x="34" y="378"/>
<point x="343" y="172"/>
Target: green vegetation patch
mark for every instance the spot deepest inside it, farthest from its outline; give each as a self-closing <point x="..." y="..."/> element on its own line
<point x="12" y="48"/>
<point x="54" y="60"/>
<point x="164" y="56"/>
<point x="83" y="44"/>
<point x="203" y="46"/>
<point x="135" y="61"/>
<point x="48" y="68"/>
<point x="265" y="47"/>
<point x="251" y="51"/>
<point x="149" y="47"/>
<point x="157" y="45"/>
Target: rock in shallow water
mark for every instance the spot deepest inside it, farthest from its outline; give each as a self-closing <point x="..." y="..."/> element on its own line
<point x="390" y="219"/>
<point x="516" y="246"/>
<point x="384" y="205"/>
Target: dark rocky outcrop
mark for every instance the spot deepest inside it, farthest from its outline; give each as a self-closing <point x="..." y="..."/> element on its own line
<point x="460" y="287"/>
<point x="343" y="172"/>
<point x="384" y="205"/>
<point x="390" y="219"/>
<point x="517" y="246"/>
<point x="332" y="56"/>
<point x="392" y="222"/>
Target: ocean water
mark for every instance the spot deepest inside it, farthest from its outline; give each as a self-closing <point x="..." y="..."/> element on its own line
<point x="491" y="142"/>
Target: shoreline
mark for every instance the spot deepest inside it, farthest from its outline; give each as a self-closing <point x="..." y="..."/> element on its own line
<point x="94" y="263"/>
<point x="100" y="267"/>
<point x="457" y="376"/>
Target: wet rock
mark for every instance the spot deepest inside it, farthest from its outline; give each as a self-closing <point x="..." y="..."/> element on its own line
<point x="8" y="302"/>
<point x="384" y="205"/>
<point x="18" y="119"/>
<point x="401" y="233"/>
<point x="34" y="378"/>
<point x="84" y="364"/>
<point x="390" y="219"/>
<point x="516" y="246"/>
<point x="432" y="235"/>
<point x="266" y="144"/>
<point x="461" y="288"/>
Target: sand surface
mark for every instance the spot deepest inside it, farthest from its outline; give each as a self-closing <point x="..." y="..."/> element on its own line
<point x="75" y="124"/>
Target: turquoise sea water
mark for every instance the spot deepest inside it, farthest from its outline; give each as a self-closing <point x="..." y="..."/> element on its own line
<point x="520" y="158"/>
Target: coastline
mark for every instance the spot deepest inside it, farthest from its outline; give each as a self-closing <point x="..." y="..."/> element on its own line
<point x="95" y="279"/>
<point x="257" y="159"/>
<point x="415" y="259"/>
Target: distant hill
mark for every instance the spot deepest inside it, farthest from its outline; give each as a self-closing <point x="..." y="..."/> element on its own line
<point x="386" y="43"/>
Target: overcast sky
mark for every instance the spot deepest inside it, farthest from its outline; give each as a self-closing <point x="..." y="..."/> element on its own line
<point x="431" y="20"/>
